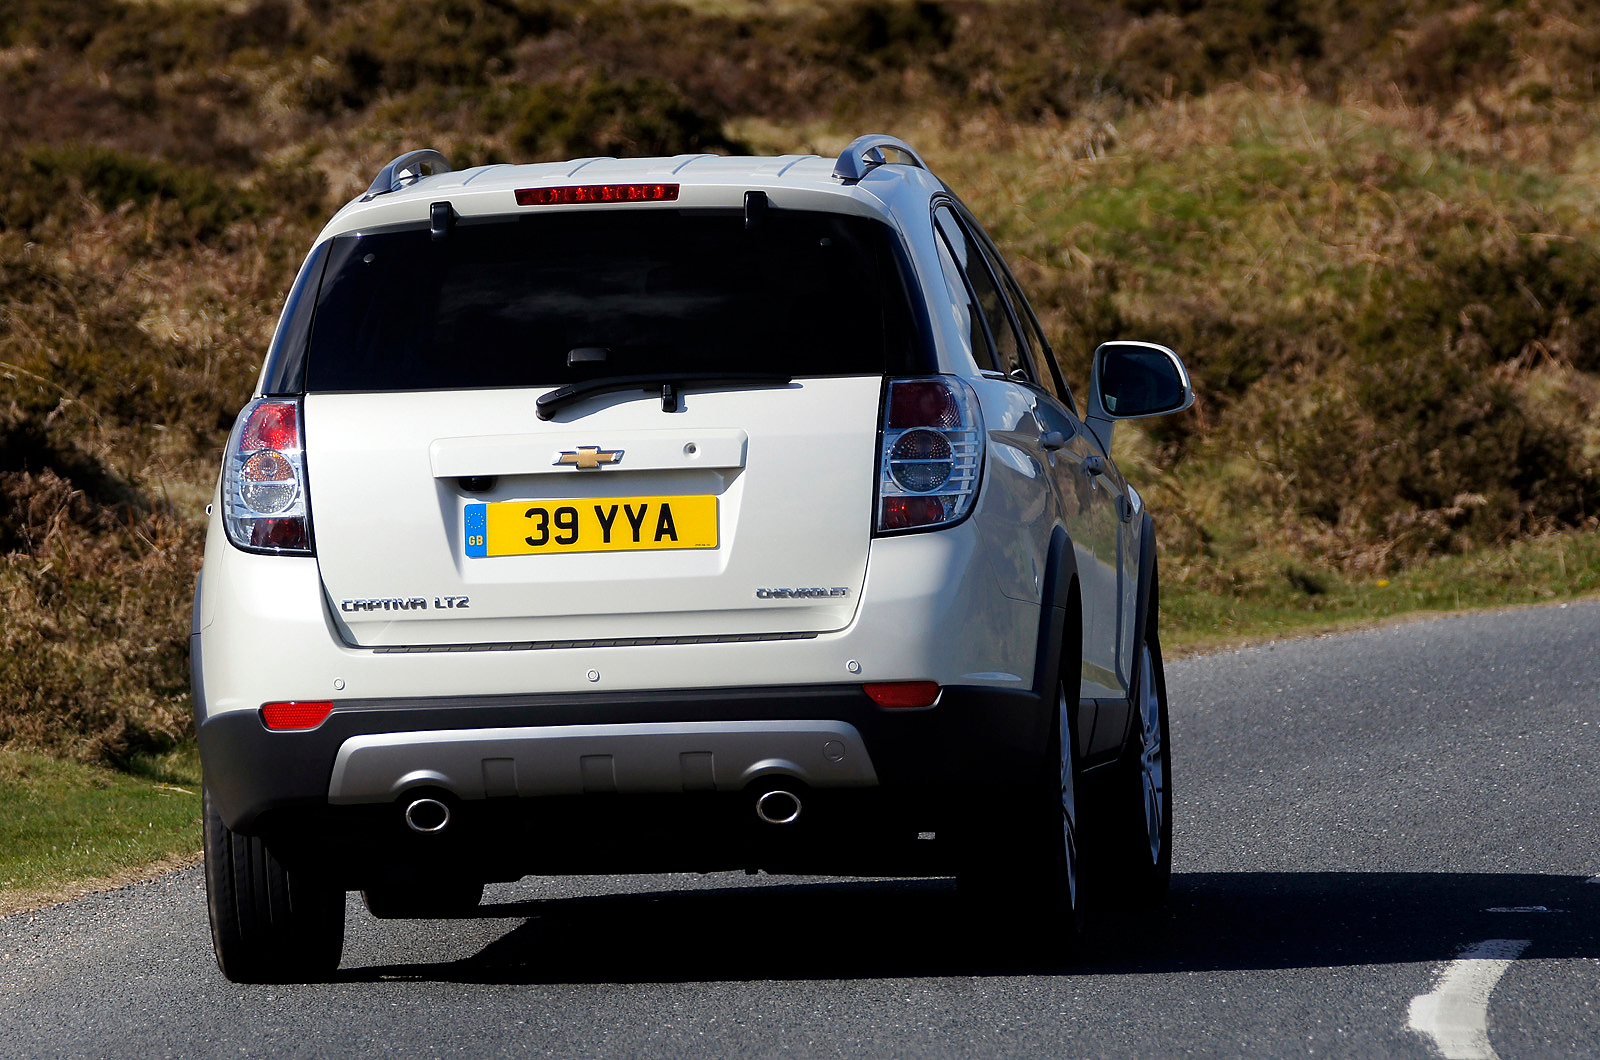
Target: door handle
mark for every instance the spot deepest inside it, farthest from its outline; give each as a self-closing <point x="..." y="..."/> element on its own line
<point x="1052" y="441"/>
<point x="1094" y="465"/>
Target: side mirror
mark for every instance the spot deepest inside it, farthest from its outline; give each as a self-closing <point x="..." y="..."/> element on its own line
<point x="1133" y="380"/>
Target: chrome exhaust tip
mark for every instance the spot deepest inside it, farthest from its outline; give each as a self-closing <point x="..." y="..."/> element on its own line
<point x="427" y="816"/>
<point x="778" y="806"/>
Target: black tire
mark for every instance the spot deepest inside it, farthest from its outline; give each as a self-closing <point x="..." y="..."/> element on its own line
<point x="268" y="925"/>
<point x="1022" y="869"/>
<point x="438" y="900"/>
<point x="1137" y="859"/>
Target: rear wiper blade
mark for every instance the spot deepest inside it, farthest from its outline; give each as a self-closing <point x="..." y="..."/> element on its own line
<point x="668" y="383"/>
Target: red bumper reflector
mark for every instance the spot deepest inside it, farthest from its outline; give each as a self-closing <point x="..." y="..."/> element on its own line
<point x="296" y="715"/>
<point x="903" y="693"/>
<point x="590" y="193"/>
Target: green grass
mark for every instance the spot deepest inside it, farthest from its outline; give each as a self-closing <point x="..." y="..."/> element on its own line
<point x="67" y="824"/>
<point x="1299" y="601"/>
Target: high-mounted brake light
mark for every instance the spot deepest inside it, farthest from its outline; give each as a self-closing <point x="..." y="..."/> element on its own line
<point x="903" y="694"/>
<point x="297" y="714"/>
<point x="932" y="453"/>
<point x="592" y="193"/>
<point x="264" y="504"/>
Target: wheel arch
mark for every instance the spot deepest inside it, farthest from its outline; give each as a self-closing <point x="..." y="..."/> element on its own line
<point x="1147" y="598"/>
<point x="1148" y="594"/>
<point x="1060" y="619"/>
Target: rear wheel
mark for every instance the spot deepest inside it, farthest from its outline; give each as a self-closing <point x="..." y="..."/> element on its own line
<point x="1061" y="879"/>
<point x="1138" y="860"/>
<point x="268" y="924"/>
<point x="1023" y="871"/>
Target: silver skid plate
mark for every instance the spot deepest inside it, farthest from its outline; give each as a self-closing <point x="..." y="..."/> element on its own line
<point x="645" y="758"/>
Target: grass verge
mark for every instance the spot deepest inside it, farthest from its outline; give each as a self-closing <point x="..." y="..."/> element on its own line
<point x="71" y="828"/>
<point x="1300" y="602"/>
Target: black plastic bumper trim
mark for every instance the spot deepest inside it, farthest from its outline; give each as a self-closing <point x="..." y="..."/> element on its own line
<point x="974" y="737"/>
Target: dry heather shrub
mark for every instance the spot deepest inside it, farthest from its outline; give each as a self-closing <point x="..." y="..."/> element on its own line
<point x="58" y="188"/>
<point x="599" y="116"/>
<point x="92" y="652"/>
<point x="1448" y="52"/>
<point x="1403" y="459"/>
<point x="133" y="312"/>
<point x="368" y="51"/>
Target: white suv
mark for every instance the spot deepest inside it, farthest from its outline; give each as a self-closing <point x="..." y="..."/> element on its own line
<point x="663" y="514"/>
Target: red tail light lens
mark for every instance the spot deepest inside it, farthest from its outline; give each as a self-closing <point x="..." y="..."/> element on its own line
<point x="596" y="193"/>
<point x="273" y="425"/>
<point x="904" y="513"/>
<point x="903" y="694"/>
<point x="932" y="454"/>
<point x="264" y="502"/>
<point x="295" y="715"/>
<point x="922" y="403"/>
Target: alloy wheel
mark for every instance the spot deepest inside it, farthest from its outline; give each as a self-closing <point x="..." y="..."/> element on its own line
<point x="1152" y="755"/>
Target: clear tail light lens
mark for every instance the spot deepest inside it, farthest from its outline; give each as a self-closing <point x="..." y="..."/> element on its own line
<point x="932" y="453"/>
<point x="264" y="503"/>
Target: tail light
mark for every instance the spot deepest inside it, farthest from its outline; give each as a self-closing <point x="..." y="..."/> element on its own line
<point x="932" y="453"/>
<point x="264" y="502"/>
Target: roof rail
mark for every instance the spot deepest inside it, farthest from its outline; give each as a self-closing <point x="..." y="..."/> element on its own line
<point x="866" y="152"/>
<point x="407" y="169"/>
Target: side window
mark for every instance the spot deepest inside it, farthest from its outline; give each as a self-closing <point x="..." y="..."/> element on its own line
<point x="1037" y="348"/>
<point x="961" y="296"/>
<point x="1044" y="362"/>
<point x="969" y="255"/>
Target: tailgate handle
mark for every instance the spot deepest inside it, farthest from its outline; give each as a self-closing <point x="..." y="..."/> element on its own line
<point x="540" y="454"/>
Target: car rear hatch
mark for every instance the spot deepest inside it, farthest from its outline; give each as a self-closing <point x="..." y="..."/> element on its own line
<point x="712" y="476"/>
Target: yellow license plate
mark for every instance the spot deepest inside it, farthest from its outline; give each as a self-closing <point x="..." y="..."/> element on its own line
<point x="590" y="524"/>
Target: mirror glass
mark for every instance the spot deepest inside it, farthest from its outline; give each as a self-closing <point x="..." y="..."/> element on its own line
<point x="1138" y="380"/>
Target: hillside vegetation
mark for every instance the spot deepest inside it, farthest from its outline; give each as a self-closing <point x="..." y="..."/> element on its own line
<point x="1370" y="228"/>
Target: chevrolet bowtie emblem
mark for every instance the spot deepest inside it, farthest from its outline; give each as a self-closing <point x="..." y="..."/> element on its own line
<point x="590" y="458"/>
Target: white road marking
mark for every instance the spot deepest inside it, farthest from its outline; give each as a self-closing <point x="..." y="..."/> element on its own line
<point x="1523" y="909"/>
<point x="1456" y="1014"/>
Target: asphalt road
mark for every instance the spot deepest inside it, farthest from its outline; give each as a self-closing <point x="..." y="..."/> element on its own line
<point x="1351" y="811"/>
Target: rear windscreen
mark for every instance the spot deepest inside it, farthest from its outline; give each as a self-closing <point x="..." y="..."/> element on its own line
<point x="503" y="304"/>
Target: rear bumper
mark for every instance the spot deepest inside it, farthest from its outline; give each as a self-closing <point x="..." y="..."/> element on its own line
<point x="825" y="736"/>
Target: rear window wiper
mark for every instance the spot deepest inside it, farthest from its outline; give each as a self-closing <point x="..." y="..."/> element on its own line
<point x="668" y="383"/>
